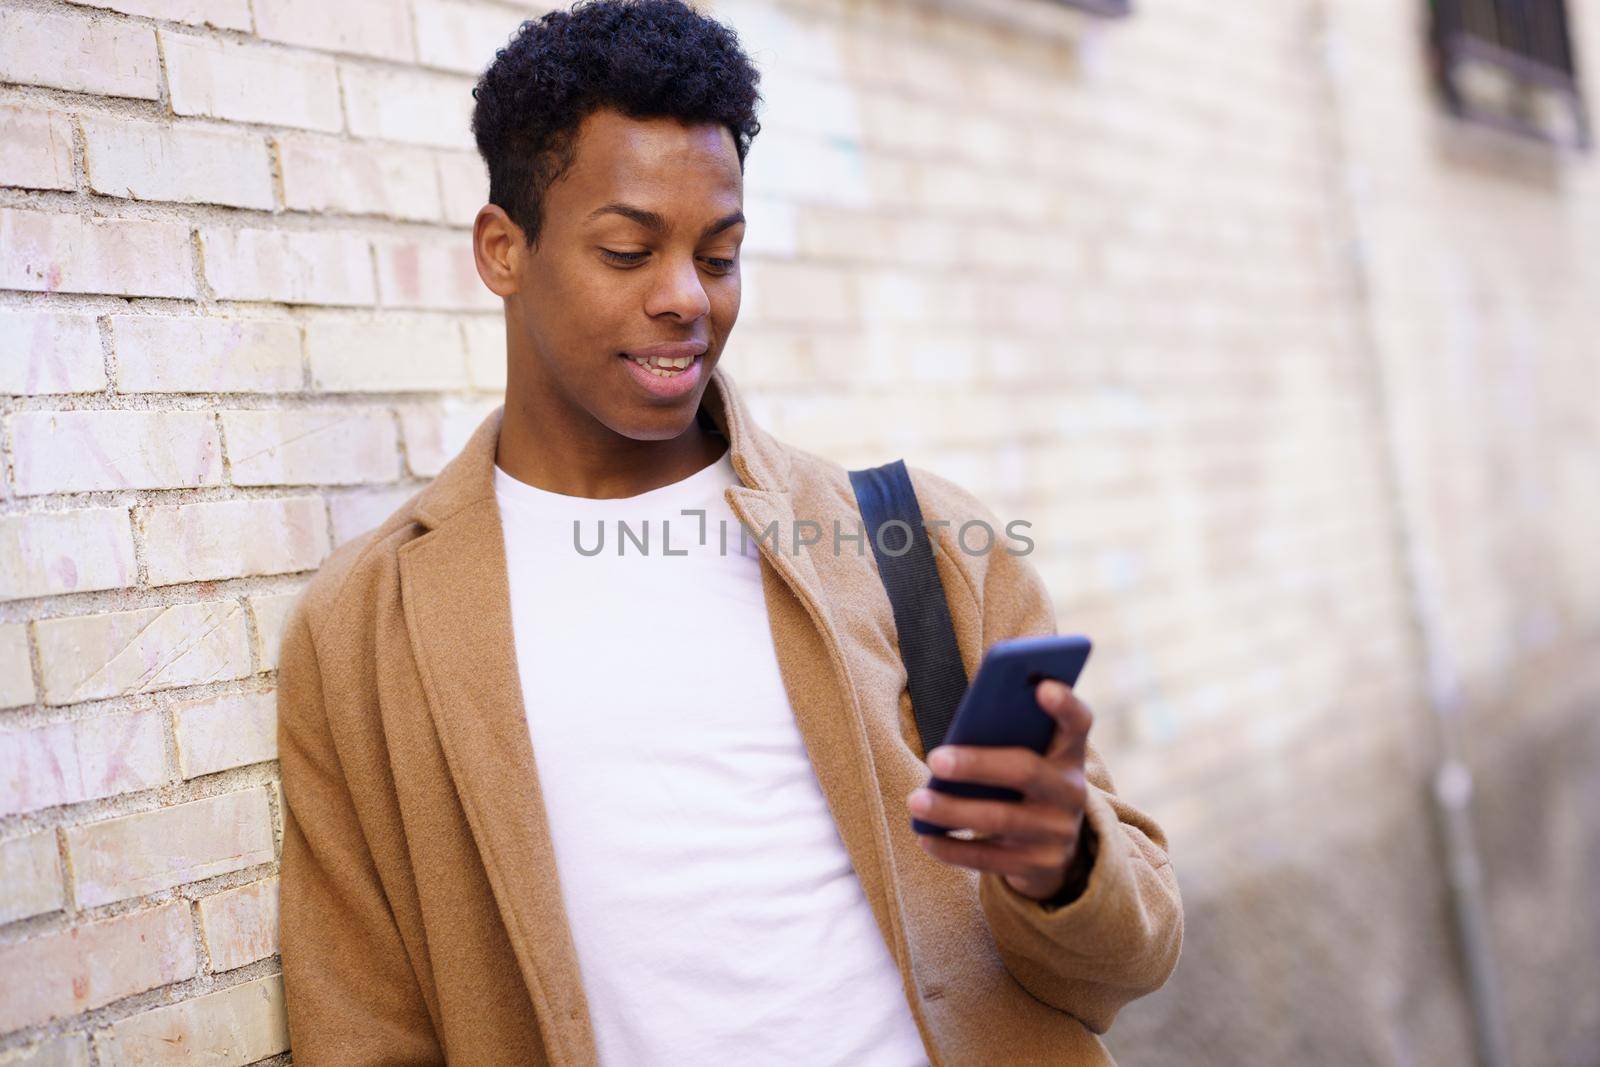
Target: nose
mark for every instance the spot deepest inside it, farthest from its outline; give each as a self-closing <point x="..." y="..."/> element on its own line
<point x="678" y="291"/>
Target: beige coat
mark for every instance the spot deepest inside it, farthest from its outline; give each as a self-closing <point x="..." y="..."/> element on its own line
<point x="421" y="914"/>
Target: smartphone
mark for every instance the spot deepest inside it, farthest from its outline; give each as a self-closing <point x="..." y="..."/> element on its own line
<point x="1000" y="709"/>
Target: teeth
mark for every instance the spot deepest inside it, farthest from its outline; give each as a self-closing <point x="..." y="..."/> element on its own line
<point x="664" y="368"/>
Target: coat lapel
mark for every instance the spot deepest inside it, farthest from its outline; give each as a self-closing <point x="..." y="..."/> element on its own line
<point x="456" y="599"/>
<point x="457" y="607"/>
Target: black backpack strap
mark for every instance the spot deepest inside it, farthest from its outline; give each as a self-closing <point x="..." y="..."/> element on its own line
<point x="934" y="672"/>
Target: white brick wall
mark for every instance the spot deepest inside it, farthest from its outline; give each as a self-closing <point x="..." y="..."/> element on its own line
<point x="407" y="106"/>
<point x="232" y="538"/>
<point x="38" y="149"/>
<point x="226" y="732"/>
<point x="67" y="254"/>
<point x="288" y="267"/>
<point x="154" y="161"/>
<point x="67" y="762"/>
<point x="240" y="925"/>
<point x="86" y="657"/>
<point x="135" y="855"/>
<point x="49" y="352"/>
<point x="80" y="451"/>
<point x="65" y="552"/>
<point x="327" y="174"/>
<point x="1099" y="273"/>
<point x="69" y="971"/>
<point x="329" y="446"/>
<point x="84" y="55"/>
<point x="243" y="82"/>
<point x="191" y="354"/>
<point x="30" y="876"/>
<point x="243" y="1023"/>
<point x="223" y="14"/>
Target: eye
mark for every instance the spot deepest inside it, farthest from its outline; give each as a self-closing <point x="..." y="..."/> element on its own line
<point x="630" y="259"/>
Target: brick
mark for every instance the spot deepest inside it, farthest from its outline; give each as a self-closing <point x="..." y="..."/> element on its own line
<point x="223" y="14"/>
<point x="187" y="164"/>
<point x="436" y="432"/>
<point x="773" y="230"/>
<point x="132" y="856"/>
<point x="464" y="183"/>
<point x="289" y="267"/>
<point x="86" y="657"/>
<point x="391" y="354"/>
<point x="194" y="354"/>
<point x="324" y="174"/>
<point x="240" y="925"/>
<point x="246" y="82"/>
<point x="51" y="552"/>
<point x="431" y="274"/>
<point x="380" y="28"/>
<point x="67" y="972"/>
<point x="409" y="106"/>
<point x="68" y="1050"/>
<point x="358" y="511"/>
<point x="30" y="876"/>
<point x="70" y="762"/>
<point x="45" y="252"/>
<point x="111" y="58"/>
<point x="803" y="293"/>
<point x="461" y="37"/>
<point x="50" y="352"/>
<point x="225" y="732"/>
<point x="81" y="451"/>
<point x="38" y="151"/>
<point x="222" y="539"/>
<point x="486" y="351"/>
<point x="238" y="1025"/>
<point x="271" y="614"/>
<point x="311" y="447"/>
<point x="16" y="674"/>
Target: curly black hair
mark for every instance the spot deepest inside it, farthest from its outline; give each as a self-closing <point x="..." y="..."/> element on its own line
<point x="645" y="58"/>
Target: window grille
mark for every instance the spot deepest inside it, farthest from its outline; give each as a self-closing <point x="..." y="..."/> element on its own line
<point x="1113" y="8"/>
<point x="1510" y="63"/>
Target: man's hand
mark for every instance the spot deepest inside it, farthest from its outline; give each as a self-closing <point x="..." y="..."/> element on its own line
<point x="1036" y="842"/>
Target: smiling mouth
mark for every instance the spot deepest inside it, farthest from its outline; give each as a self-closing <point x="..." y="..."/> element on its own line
<point x="663" y="368"/>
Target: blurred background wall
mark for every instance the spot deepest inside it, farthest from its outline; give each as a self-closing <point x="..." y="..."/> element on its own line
<point x="1294" y="374"/>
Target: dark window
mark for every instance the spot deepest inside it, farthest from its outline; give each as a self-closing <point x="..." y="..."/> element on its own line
<point x="1101" y="7"/>
<point x="1510" y="63"/>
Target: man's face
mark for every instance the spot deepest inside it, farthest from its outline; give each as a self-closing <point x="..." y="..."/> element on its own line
<point x="639" y="251"/>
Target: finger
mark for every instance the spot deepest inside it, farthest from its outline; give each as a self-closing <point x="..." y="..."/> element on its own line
<point x="1073" y="720"/>
<point x="1021" y="821"/>
<point x="1011" y="766"/>
<point x="1023" y="861"/>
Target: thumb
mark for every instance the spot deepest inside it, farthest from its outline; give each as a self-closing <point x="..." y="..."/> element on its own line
<point x="1073" y="719"/>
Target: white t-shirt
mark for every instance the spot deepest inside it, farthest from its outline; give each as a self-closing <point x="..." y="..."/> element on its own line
<point x="715" y="913"/>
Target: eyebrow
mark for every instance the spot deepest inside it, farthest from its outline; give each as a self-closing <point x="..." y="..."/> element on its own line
<point x="654" y="222"/>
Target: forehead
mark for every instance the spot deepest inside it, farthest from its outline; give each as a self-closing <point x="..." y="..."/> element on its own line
<point x="656" y="159"/>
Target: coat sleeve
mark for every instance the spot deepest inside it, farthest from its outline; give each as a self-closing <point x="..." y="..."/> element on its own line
<point x="350" y="991"/>
<point x="1120" y="939"/>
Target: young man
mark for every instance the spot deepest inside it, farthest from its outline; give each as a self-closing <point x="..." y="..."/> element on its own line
<point x="547" y="805"/>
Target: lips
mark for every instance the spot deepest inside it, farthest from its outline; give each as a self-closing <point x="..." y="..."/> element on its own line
<point x="666" y="382"/>
<point x="667" y="350"/>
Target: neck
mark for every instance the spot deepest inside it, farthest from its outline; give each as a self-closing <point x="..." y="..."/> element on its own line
<point x="544" y="443"/>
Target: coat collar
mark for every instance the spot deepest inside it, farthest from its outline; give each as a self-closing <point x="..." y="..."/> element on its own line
<point x="456" y="602"/>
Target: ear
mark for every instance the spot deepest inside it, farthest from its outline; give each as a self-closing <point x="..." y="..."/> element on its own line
<point x="499" y="248"/>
